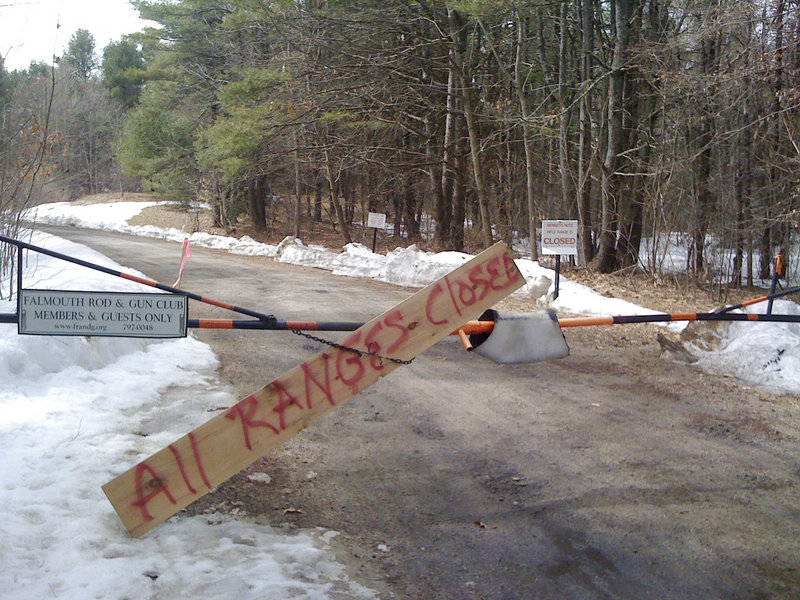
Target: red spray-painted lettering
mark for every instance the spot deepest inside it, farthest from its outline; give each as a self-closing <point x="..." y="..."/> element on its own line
<point x="437" y="289"/>
<point x="466" y="293"/>
<point x="197" y="461"/>
<point x="374" y="347"/>
<point x="394" y="320"/>
<point x="480" y="281"/>
<point x="452" y="296"/>
<point x="157" y="486"/>
<point x="285" y="400"/>
<point x="345" y="358"/>
<point x="246" y="410"/>
<point x="493" y="268"/>
<point x="311" y="378"/>
<point x="179" y="462"/>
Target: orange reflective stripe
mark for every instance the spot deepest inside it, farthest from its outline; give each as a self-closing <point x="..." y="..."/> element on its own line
<point x="585" y="321"/>
<point x="138" y="279"/>
<point x="684" y="317"/>
<point x="302" y="325"/>
<point x="217" y="303"/>
<point x="755" y="300"/>
<point x="215" y="323"/>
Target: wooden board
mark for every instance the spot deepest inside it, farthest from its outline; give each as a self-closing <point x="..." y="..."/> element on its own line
<point x="171" y="479"/>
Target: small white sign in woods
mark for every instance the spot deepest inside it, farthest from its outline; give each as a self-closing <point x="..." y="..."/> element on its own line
<point x="376" y="220"/>
<point x="560" y="238"/>
<point x="57" y="312"/>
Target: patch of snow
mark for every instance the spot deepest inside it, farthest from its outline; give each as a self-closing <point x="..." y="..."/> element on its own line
<point x="74" y="413"/>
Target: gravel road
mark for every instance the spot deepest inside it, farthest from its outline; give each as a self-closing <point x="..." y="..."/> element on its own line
<point x="613" y="473"/>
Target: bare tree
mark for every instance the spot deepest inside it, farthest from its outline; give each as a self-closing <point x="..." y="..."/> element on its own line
<point x="25" y="140"/>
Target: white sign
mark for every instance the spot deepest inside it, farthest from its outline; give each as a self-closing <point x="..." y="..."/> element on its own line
<point x="560" y="237"/>
<point x="54" y="312"/>
<point x="376" y="220"/>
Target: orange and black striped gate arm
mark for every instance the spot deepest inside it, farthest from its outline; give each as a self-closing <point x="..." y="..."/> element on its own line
<point x="160" y="286"/>
<point x="767" y="297"/>
<point x="262" y="321"/>
<point x="674" y="317"/>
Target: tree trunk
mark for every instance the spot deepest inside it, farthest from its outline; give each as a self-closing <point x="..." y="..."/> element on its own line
<point x="566" y="113"/>
<point x="397" y="205"/>
<point x="765" y="251"/>
<point x="298" y="212"/>
<point x="640" y="108"/>
<point x="410" y="211"/>
<point x="435" y="183"/>
<point x="769" y="233"/>
<point x="611" y="182"/>
<point x="530" y="167"/>
<point x="318" y="198"/>
<point x="459" y="199"/>
<point x="584" y="189"/>
<point x="333" y="189"/>
<point x="468" y="106"/>
<point x="255" y="201"/>
<point x="703" y="137"/>
<point x="445" y="217"/>
<point x="743" y="170"/>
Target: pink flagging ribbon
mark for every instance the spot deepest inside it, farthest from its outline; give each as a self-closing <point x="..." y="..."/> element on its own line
<point x="187" y="253"/>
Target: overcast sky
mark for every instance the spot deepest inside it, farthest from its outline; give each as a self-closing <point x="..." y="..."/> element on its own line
<point x="38" y="29"/>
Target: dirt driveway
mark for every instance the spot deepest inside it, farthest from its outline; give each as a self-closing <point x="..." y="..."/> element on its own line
<point x="612" y="473"/>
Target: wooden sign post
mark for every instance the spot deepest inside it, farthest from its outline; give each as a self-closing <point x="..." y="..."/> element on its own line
<point x="187" y="469"/>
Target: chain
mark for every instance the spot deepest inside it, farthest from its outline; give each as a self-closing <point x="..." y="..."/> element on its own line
<point x="353" y="350"/>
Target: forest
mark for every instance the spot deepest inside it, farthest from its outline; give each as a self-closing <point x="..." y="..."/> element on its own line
<point x="465" y="121"/>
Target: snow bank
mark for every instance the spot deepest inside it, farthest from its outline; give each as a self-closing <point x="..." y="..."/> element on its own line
<point x="410" y="267"/>
<point x="76" y="412"/>
<point x="764" y="354"/>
